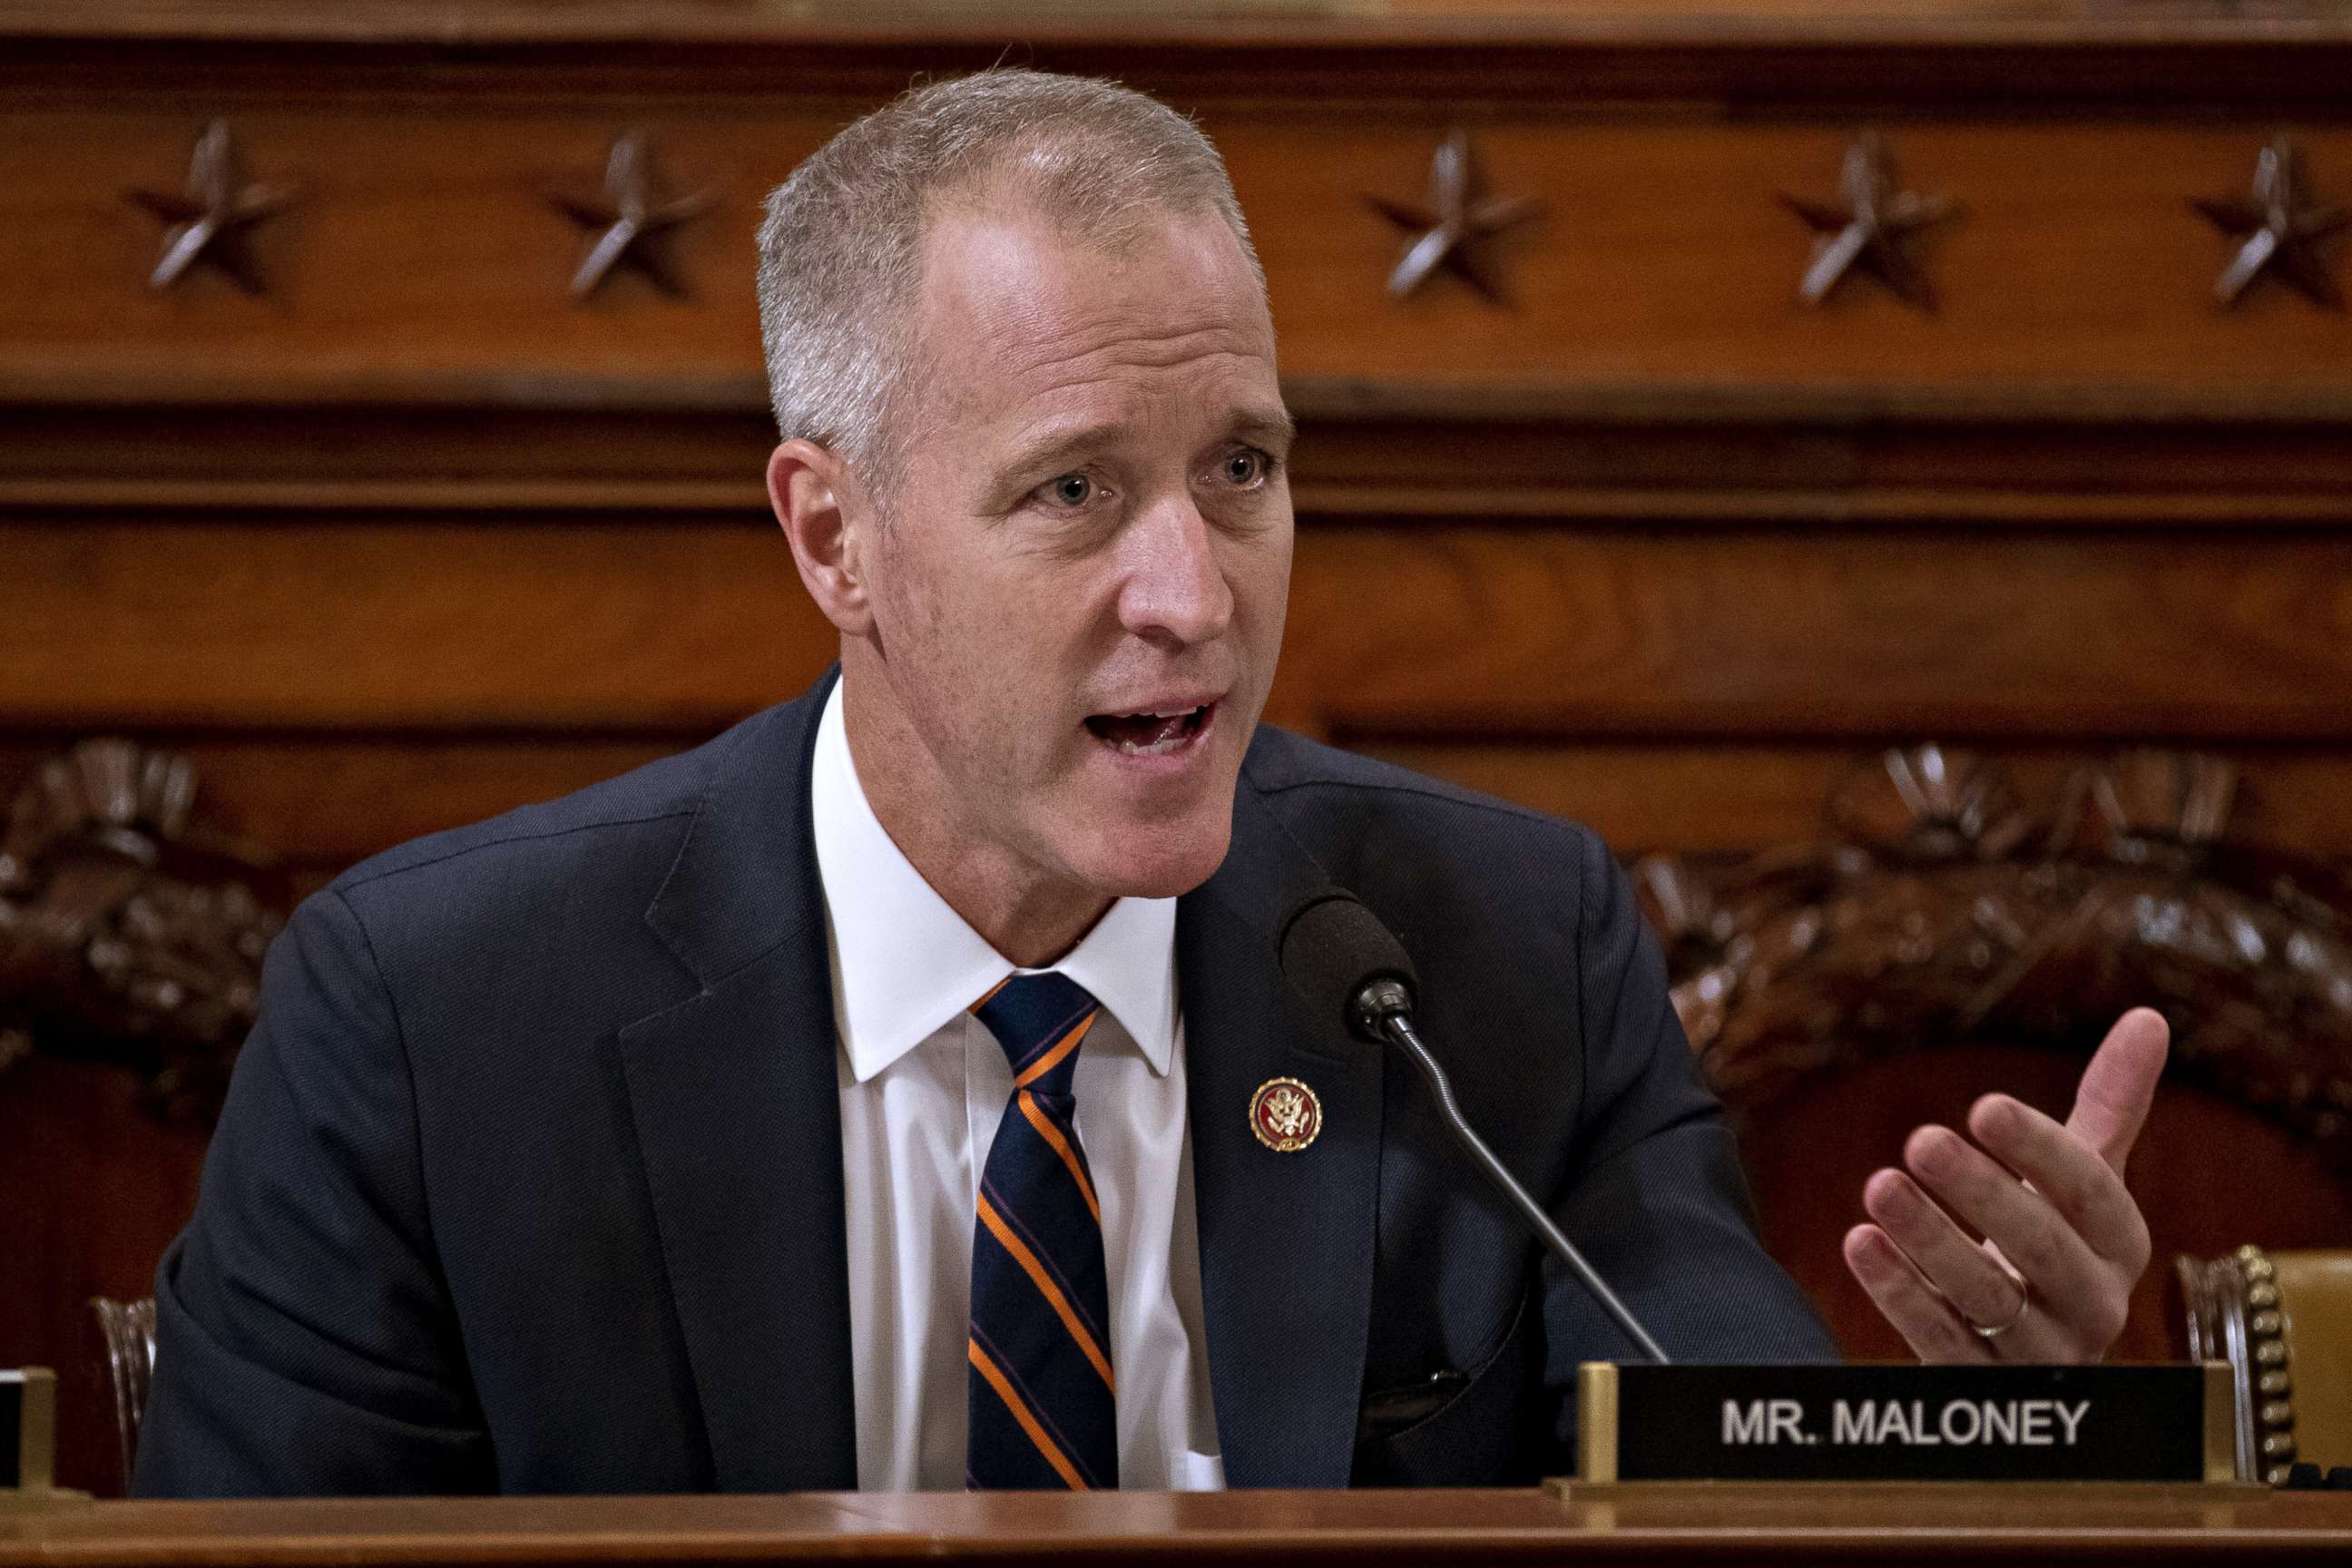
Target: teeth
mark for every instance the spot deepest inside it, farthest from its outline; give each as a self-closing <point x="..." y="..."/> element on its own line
<point x="1170" y="730"/>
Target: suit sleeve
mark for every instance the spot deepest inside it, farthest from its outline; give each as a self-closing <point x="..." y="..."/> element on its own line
<point x="304" y="1338"/>
<point x="1656" y="1198"/>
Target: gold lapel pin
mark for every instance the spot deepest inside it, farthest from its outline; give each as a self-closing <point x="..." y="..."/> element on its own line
<point x="1285" y="1115"/>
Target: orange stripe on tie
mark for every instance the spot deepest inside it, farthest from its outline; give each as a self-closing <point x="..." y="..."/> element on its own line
<point x="1046" y="1287"/>
<point x="1003" y="1386"/>
<point x="991" y="995"/>
<point x="1062" y="1047"/>
<point x="1061" y="1145"/>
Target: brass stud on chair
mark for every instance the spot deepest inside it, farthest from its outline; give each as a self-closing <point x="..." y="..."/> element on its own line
<point x="2266" y="1348"/>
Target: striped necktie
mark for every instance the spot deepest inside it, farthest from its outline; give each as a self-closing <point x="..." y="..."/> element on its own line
<point x="1041" y="1393"/>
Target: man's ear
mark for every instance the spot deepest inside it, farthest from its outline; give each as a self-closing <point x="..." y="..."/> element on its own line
<point x="819" y="506"/>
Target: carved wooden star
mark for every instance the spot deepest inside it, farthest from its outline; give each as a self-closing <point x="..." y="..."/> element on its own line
<point x="632" y="220"/>
<point x="2276" y="229"/>
<point x="209" y="221"/>
<point x="1453" y="230"/>
<point x="1867" y="234"/>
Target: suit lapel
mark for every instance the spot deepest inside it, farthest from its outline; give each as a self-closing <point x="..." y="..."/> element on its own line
<point x="1286" y="1240"/>
<point x="735" y="1102"/>
<point x="734" y="1097"/>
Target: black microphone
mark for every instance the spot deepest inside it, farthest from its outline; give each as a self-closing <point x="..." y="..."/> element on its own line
<point x="1334" y="949"/>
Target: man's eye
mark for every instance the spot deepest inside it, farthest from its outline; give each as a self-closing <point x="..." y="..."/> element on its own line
<point x="1069" y="491"/>
<point x="1246" y="466"/>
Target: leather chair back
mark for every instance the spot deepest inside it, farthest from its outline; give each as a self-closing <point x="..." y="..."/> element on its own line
<point x="2284" y="1322"/>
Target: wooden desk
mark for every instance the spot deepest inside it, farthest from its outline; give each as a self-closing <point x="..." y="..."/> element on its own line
<point x="1626" y="1524"/>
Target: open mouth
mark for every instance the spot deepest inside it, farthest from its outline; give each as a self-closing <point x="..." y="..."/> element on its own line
<point x="1156" y="735"/>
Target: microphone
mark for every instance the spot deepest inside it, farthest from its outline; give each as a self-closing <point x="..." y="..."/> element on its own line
<point x="1334" y="949"/>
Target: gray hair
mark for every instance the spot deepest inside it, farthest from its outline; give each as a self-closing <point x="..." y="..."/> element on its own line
<point x="841" y="251"/>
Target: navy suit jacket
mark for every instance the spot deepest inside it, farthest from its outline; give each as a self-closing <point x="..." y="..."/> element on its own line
<point x="530" y="1178"/>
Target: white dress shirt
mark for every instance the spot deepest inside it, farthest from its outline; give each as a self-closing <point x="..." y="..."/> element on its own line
<point x="923" y="1084"/>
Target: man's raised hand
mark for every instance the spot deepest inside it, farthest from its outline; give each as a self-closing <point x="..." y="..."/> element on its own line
<point x="2064" y="1241"/>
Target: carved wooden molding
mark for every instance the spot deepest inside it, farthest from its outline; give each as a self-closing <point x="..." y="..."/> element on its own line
<point x="1867" y="230"/>
<point x="1940" y="907"/>
<point x="2270" y="458"/>
<point x="1454" y="230"/>
<point x="632" y="220"/>
<point x="2276" y="229"/>
<point x="118" y="940"/>
<point x="1739" y="53"/>
<point x="210" y="221"/>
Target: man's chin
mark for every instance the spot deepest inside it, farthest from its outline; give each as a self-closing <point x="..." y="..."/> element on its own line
<point x="1158" y="860"/>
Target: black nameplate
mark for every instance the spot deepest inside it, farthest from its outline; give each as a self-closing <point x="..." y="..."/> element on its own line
<point x="12" y="1428"/>
<point x="1906" y="1423"/>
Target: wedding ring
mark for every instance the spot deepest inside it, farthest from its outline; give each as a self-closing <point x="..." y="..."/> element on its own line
<point x="2024" y="1299"/>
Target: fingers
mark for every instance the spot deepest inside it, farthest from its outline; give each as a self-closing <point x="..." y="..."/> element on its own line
<point x="1948" y="1257"/>
<point x="2120" y="1084"/>
<point x="2071" y="1283"/>
<point x="2052" y="1205"/>
<point x="2087" y="1192"/>
<point x="1924" y="1319"/>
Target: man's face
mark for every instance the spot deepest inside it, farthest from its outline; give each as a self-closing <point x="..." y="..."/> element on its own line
<point x="1078" y="593"/>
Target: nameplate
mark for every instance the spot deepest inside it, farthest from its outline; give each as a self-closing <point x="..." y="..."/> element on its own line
<point x="28" y="1426"/>
<point x="1902" y="1423"/>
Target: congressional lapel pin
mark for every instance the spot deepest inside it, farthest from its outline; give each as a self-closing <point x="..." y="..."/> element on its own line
<point x="1285" y="1115"/>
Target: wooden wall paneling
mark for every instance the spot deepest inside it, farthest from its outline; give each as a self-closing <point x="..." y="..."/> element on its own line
<point x="425" y="250"/>
<point x="521" y="445"/>
<point x="413" y="625"/>
<point x="1715" y="797"/>
<point x="424" y="245"/>
<point x="1738" y="54"/>
<point x="656" y="450"/>
<point x="1853" y="634"/>
<point x="1862" y="634"/>
<point x="2038" y="457"/>
<point x="1667" y="260"/>
<point x="347" y="683"/>
<point x="313" y="801"/>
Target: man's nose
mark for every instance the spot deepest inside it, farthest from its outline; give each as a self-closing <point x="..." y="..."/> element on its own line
<point x="1175" y="590"/>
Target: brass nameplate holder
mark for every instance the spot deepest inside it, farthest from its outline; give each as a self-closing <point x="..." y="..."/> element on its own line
<point x="29" y="1442"/>
<point x="1869" y="1422"/>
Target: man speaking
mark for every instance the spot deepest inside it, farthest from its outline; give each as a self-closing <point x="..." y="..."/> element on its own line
<point x="901" y="1090"/>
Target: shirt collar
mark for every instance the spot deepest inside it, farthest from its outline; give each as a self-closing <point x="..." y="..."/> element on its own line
<point x="904" y="963"/>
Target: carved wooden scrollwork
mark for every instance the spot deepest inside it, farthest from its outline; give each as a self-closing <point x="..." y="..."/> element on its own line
<point x="119" y="941"/>
<point x="1939" y="908"/>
